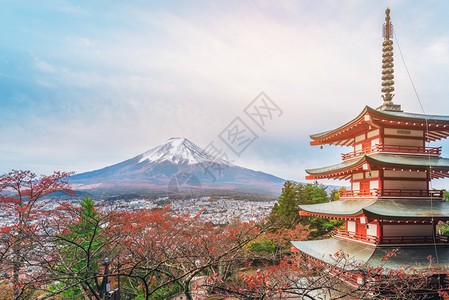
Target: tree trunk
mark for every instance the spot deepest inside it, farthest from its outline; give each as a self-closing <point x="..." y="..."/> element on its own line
<point x="15" y="270"/>
<point x="15" y="279"/>
<point x="188" y="290"/>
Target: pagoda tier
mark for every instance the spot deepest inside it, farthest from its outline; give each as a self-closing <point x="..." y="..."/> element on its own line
<point x="390" y="204"/>
<point x="387" y="175"/>
<point x="438" y="167"/>
<point x="391" y="209"/>
<point x="415" y="256"/>
<point x="385" y="221"/>
<point x="386" y="124"/>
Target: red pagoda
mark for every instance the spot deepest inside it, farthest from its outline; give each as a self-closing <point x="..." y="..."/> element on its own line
<point x="390" y="204"/>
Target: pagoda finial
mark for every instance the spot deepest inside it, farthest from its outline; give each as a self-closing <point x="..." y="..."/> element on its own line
<point x="387" y="66"/>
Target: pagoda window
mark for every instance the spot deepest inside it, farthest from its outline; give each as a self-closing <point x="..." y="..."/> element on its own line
<point x="405" y="174"/>
<point x="356" y="186"/>
<point x="357" y="176"/>
<point x="350" y="226"/>
<point x="403" y="142"/>
<point x="371" y="229"/>
<point x="360" y="138"/>
<point x="403" y="132"/>
<point x="358" y="147"/>
<point x="373" y="133"/>
<point x="375" y="142"/>
<point x="374" y="184"/>
<point x="372" y="174"/>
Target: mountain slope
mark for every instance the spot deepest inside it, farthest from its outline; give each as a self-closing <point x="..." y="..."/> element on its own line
<point x="176" y="165"/>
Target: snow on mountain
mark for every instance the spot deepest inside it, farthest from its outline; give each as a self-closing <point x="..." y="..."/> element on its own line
<point x="174" y="160"/>
<point x="178" y="151"/>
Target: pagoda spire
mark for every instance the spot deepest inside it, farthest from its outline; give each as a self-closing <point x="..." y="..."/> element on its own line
<point x="387" y="66"/>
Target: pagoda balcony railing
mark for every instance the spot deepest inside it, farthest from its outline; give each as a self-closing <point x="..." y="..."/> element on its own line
<point x="391" y="193"/>
<point x="357" y="194"/>
<point x="411" y="193"/>
<point x="357" y="236"/>
<point x="433" y="151"/>
<point x="440" y="239"/>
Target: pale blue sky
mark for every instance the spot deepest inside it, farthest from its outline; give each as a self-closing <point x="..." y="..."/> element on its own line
<point x="86" y="84"/>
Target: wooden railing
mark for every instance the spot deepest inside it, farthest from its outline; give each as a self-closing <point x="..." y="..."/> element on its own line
<point x="411" y="193"/>
<point x="356" y="236"/>
<point x="391" y="193"/>
<point x="441" y="239"/>
<point x="433" y="151"/>
<point x="355" y="194"/>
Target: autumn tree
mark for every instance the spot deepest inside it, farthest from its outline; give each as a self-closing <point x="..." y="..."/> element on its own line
<point x="164" y="250"/>
<point x="340" y="277"/>
<point x="21" y="195"/>
<point x="151" y="253"/>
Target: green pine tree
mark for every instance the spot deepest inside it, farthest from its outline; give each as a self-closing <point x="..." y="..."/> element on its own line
<point x="285" y="213"/>
<point x="82" y="252"/>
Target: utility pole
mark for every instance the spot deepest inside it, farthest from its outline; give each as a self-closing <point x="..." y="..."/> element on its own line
<point x="118" y="291"/>
<point x="106" y="278"/>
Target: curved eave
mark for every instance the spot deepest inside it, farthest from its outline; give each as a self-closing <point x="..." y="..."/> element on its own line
<point x="320" y="138"/>
<point x="341" y="208"/>
<point x="438" y="126"/>
<point x="327" y="250"/>
<point x="387" y="209"/>
<point x="438" y="166"/>
<point x="414" y="117"/>
<point x="409" y="209"/>
<point x="344" y="166"/>
<point x="415" y="256"/>
<point x="408" y="161"/>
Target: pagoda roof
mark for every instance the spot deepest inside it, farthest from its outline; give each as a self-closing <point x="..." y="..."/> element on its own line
<point x="438" y="164"/>
<point x="382" y="208"/>
<point x="437" y="127"/>
<point x="414" y="256"/>
<point x="400" y="115"/>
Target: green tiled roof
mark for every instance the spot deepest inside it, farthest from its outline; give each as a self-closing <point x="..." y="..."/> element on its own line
<point x="344" y="208"/>
<point x="412" y="116"/>
<point x="401" y="161"/>
<point x="423" y="209"/>
<point x="335" y="168"/>
<point x="409" y="161"/>
<point x="398" y="209"/>
<point x="413" y="256"/>
<point x="325" y="249"/>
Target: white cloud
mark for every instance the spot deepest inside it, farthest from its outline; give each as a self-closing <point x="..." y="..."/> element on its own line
<point x="45" y="67"/>
<point x="126" y="78"/>
<point x="438" y="51"/>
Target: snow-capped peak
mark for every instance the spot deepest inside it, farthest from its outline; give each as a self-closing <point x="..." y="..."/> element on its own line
<point x="178" y="151"/>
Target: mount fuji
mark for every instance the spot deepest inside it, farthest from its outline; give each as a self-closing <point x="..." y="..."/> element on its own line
<point x="177" y="166"/>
